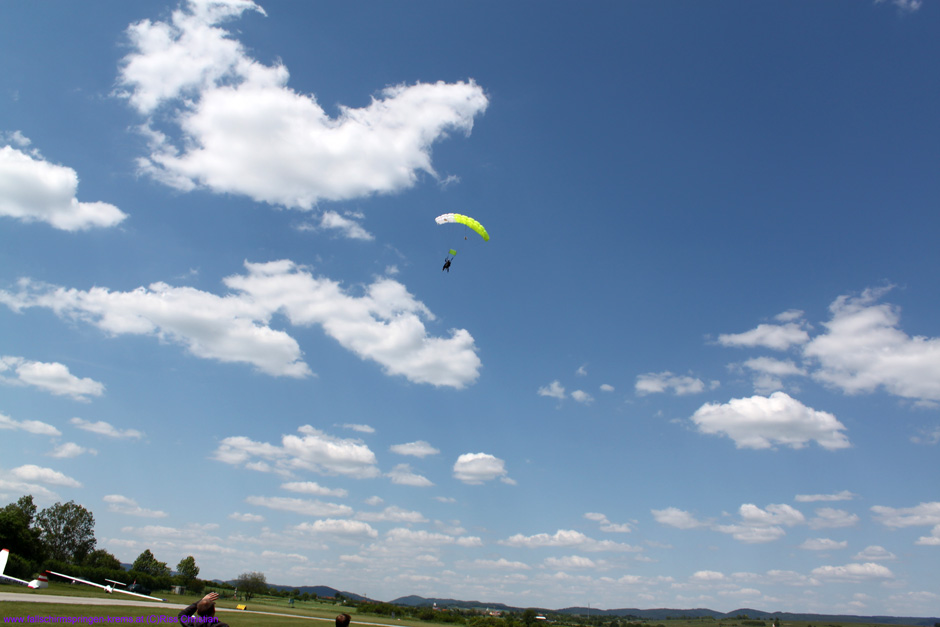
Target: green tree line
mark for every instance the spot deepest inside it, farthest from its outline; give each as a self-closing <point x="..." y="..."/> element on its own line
<point x="61" y="538"/>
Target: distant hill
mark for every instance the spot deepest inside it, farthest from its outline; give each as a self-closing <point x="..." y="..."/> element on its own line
<point x="664" y="613"/>
<point x="320" y="591"/>
<point x="415" y="601"/>
<point x="627" y="613"/>
<point x="658" y="613"/>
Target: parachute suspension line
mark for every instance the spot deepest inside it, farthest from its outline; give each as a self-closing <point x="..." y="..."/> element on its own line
<point x="468" y="223"/>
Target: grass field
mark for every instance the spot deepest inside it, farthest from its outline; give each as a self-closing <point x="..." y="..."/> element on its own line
<point x="259" y="611"/>
<point x="61" y="588"/>
<point x="100" y="614"/>
<point x="264" y="612"/>
<point x="265" y="617"/>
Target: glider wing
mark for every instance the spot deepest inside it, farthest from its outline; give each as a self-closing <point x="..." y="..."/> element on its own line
<point x="4" y="556"/>
<point x="108" y="589"/>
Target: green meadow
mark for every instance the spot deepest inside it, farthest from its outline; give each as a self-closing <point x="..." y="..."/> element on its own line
<point x="268" y="611"/>
<point x="265" y="616"/>
<point x="261" y="611"/>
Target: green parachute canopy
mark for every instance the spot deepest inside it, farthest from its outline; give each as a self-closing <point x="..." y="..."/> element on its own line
<point x="456" y="218"/>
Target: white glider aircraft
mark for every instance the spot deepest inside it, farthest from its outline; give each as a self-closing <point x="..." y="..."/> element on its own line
<point x="108" y="589"/>
<point x="41" y="582"/>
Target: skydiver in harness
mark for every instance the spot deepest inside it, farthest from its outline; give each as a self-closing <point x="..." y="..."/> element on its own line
<point x="447" y="261"/>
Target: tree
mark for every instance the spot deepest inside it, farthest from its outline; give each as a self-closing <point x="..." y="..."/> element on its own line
<point x="17" y="532"/>
<point x="99" y="558"/>
<point x="187" y="569"/>
<point x="67" y="531"/>
<point x="528" y="617"/>
<point x="251" y="583"/>
<point x="426" y="613"/>
<point x="196" y="586"/>
<point x="25" y="507"/>
<point x="147" y="563"/>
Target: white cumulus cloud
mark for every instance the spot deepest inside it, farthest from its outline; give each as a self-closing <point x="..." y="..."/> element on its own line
<point x="499" y="564"/>
<point x="762" y="422"/>
<point x="570" y="562"/>
<point x="32" y="473"/>
<point x="831" y="518"/>
<point x="51" y="377"/>
<point x="419" y="448"/>
<point x="402" y="474"/>
<point x="582" y="397"/>
<point x="35" y="190"/>
<point x="338" y="527"/>
<point x="68" y="450"/>
<point x="566" y="538"/>
<point x="312" y="487"/>
<point x="776" y="336"/>
<point x="35" y="427"/>
<point x="394" y="514"/>
<point x="844" y="495"/>
<point x="242" y="130"/>
<point x="823" y="544"/>
<point x="853" y="572"/>
<point x="905" y="6"/>
<point x="345" y="225"/>
<point x="410" y="538"/>
<point x="384" y="325"/>
<point x="300" y="506"/>
<point x="106" y="429"/>
<point x="657" y="383"/>
<point x="312" y="450"/>
<point x="360" y="428"/>
<point x="774" y="514"/>
<point x="759" y="525"/>
<point x="126" y="505"/>
<point x="922" y="514"/>
<point x="476" y="468"/>
<point x="606" y="525"/>
<point x="863" y="350"/>
<point x="932" y="540"/>
<point x="246" y="517"/>
<point x="553" y="390"/>
<point x="874" y="553"/>
<point x="675" y="517"/>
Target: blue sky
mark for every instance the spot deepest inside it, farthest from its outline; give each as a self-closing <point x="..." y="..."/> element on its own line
<point x="696" y="365"/>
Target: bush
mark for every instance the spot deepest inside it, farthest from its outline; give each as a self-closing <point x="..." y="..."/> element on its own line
<point x="382" y="609"/>
<point x="21" y="568"/>
<point x="91" y="573"/>
<point x="99" y="575"/>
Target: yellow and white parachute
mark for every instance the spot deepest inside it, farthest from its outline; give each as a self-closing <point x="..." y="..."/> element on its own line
<point x="456" y="218"/>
